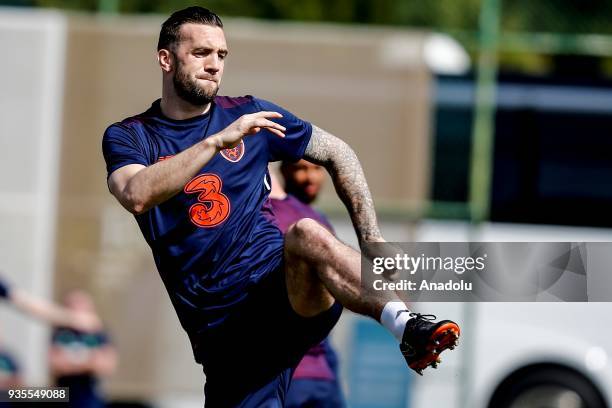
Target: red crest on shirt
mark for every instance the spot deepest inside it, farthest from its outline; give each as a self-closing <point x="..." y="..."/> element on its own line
<point x="235" y="153"/>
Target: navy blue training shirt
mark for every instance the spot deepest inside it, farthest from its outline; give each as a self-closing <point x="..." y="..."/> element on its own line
<point x="212" y="240"/>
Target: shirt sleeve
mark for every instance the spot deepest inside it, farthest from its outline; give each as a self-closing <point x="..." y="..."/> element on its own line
<point x="120" y="147"/>
<point x="297" y="135"/>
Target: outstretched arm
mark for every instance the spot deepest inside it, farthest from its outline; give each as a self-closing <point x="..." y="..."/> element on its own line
<point x="48" y="311"/>
<point x="53" y="313"/>
<point x="343" y="165"/>
<point x="139" y="188"/>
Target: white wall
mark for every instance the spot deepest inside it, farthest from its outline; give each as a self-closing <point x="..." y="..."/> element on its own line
<point x="30" y="104"/>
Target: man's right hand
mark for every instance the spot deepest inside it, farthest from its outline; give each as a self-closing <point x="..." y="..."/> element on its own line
<point x="245" y="125"/>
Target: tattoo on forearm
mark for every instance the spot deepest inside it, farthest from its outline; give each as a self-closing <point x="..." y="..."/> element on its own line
<point x="343" y="165"/>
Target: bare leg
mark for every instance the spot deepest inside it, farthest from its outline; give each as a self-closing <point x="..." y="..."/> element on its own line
<point x="319" y="269"/>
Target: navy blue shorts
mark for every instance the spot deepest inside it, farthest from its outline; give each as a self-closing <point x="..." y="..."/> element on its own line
<point x="249" y="359"/>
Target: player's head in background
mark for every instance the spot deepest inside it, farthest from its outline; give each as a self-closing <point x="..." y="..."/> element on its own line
<point x="303" y="179"/>
<point x="191" y="51"/>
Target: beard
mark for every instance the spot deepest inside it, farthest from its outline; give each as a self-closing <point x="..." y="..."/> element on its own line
<point x="189" y="90"/>
<point x="298" y="192"/>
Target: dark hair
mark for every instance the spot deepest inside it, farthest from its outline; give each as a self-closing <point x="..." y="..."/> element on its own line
<point x="169" y="34"/>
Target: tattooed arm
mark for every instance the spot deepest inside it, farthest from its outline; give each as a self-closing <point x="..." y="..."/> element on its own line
<point x="343" y="165"/>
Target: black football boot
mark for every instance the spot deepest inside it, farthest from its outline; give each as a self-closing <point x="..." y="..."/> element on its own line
<point x="424" y="340"/>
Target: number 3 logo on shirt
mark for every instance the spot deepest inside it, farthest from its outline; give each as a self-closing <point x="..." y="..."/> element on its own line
<point x="213" y="207"/>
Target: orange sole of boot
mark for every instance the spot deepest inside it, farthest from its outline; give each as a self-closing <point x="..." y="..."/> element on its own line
<point x="443" y="338"/>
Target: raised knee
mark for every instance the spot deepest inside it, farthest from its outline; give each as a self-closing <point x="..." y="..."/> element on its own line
<point x="306" y="228"/>
<point x="308" y="231"/>
<point x="303" y="227"/>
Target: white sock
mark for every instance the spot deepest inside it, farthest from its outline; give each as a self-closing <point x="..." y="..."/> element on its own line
<point x="394" y="317"/>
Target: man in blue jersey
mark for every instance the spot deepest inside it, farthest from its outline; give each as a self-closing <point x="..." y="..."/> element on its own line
<point x="193" y="171"/>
